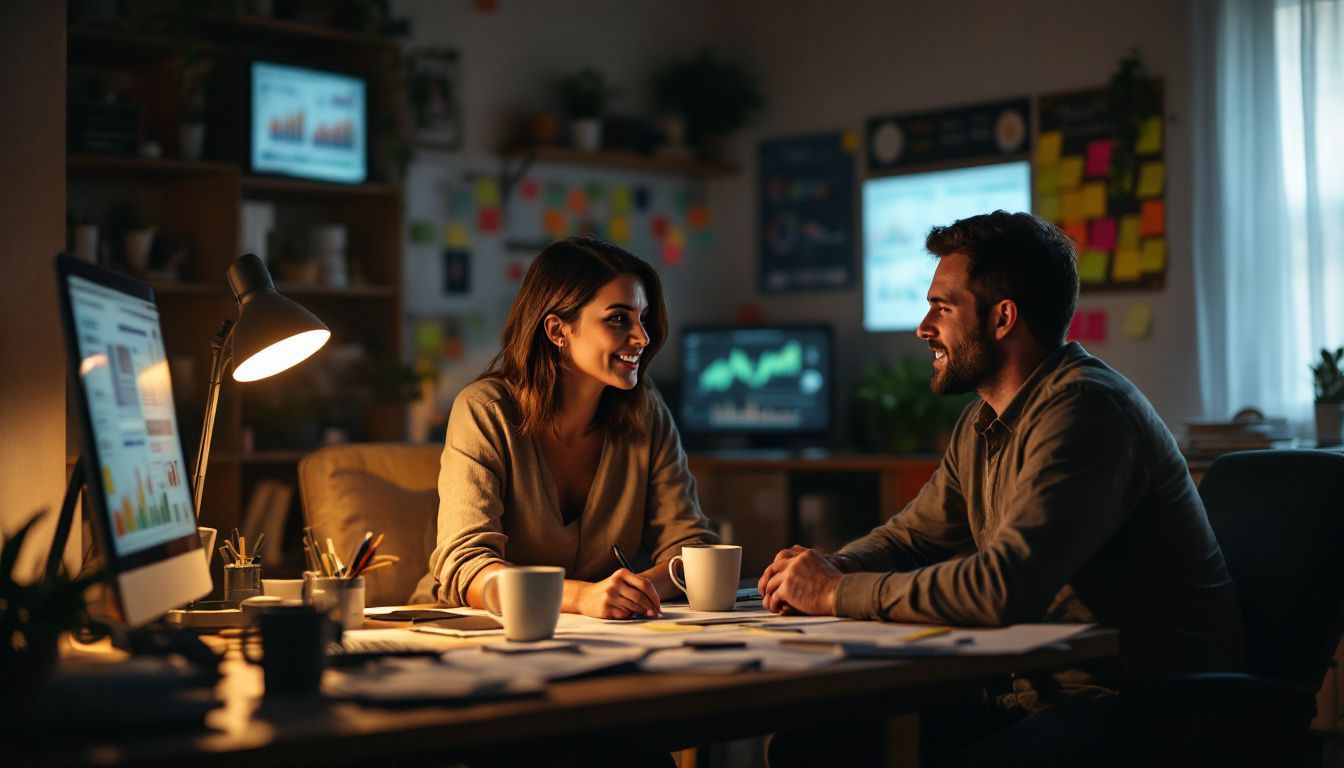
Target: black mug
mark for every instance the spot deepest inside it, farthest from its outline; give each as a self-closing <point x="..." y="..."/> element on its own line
<point x="294" y="642"/>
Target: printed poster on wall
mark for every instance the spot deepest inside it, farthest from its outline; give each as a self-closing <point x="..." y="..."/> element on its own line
<point x="807" y="213"/>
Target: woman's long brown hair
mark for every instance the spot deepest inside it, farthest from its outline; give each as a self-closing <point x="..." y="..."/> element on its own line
<point x="564" y="277"/>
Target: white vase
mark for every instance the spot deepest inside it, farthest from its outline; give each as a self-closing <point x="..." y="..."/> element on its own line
<point x="190" y="140"/>
<point x="86" y="243"/>
<point x="586" y="133"/>
<point x="139" y="242"/>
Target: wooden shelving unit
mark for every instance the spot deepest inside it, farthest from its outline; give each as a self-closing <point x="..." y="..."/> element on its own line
<point x="619" y="160"/>
<point x="198" y="204"/>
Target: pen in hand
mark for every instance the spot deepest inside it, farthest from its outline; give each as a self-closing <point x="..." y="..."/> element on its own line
<point x="624" y="563"/>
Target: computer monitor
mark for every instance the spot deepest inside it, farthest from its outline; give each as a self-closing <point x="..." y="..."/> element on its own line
<point x="772" y="383"/>
<point x="308" y="123"/>
<point x="137" y="497"/>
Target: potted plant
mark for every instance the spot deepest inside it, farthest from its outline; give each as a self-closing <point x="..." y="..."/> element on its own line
<point x="33" y="615"/>
<point x="583" y="97"/>
<point x="124" y="220"/>
<point x="896" y="412"/>
<point x="1329" y="380"/>
<point x="712" y="97"/>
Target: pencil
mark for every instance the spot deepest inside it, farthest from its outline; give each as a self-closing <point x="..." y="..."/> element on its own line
<point x="923" y="633"/>
<point x="376" y="566"/>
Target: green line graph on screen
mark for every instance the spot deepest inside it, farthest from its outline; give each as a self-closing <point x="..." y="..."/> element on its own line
<point x="720" y="375"/>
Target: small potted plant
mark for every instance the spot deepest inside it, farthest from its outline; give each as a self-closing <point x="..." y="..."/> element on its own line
<point x="583" y="97"/>
<point x="1329" y="380"/>
<point x="895" y="411"/>
<point x="707" y="97"/>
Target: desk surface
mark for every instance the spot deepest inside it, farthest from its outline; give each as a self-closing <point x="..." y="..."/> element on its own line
<point x="655" y="711"/>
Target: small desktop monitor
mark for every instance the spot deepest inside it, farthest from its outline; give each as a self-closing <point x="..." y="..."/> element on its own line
<point x="137" y="496"/>
<point x="771" y="383"/>
<point x="308" y="123"/>
<point x="899" y="211"/>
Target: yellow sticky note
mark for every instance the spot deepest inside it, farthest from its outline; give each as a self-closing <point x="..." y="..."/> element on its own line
<point x="620" y="199"/>
<point x="619" y="229"/>
<point x="1138" y="321"/>
<point x="1126" y="265"/>
<point x="456" y="235"/>
<point x="1129" y="232"/>
<point x="849" y="141"/>
<point x="1150" y="137"/>
<point x="1070" y="173"/>
<point x="676" y="236"/>
<point x="1046" y="179"/>
<point x="1047" y="207"/>
<point x="1048" y="146"/>
<point x="1153" y="257"/>
<point x="1092" y="266"/>
<point x="1151" y="177"/>
<point x="1094" y="200"/>
<point x="1071" y="205"/>
<point x="487" y="193"/>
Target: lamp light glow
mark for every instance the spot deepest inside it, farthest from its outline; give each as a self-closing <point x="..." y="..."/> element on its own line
<point x="281" y="355"/>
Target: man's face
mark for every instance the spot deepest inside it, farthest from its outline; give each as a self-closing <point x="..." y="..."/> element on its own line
<point x="965" y="354"/>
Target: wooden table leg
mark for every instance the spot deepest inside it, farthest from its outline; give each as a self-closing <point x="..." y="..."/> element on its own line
<point x="902" y="741"/>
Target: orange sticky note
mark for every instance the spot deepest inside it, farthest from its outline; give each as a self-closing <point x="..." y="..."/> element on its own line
<point x="1152" y="217"/>
<point x="1048" y="146"/>
<point x="619" y="229"/>
<point x="1070" y="173"/>
<point x="1078" y="231"/>
<point x="1153" y="256"/>
<point x="697" y="218"/>
<point x="577" y="202"/>
<point x="1126" y="267"/>
<point x="553" y="223"/>
<point x="1094" y="200"/>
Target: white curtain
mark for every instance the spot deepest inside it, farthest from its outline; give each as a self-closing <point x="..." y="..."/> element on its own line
<point x="1268" y="139"/>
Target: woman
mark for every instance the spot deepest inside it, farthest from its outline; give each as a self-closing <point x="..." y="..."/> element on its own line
<point x="563" y="449"/>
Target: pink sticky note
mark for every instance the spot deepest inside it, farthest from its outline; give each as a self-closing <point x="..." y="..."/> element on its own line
<point x="489" y="220"/>
<point x="1088" y="326"/>
<point x="1102" y="235"/>
<point x="529" y="189"/>
<point x="1099" y="158"/>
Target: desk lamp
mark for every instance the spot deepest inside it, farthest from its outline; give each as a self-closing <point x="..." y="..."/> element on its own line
<point x="271" y="334"/>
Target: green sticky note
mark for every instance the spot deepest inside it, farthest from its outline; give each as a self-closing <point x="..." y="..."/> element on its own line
<point x="1092" y="265"/>
<point x="422" y="232"/>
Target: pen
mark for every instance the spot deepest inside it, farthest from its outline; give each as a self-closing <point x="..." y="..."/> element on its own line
<point x="923" y="633"/>
<point x="620" y="557"/>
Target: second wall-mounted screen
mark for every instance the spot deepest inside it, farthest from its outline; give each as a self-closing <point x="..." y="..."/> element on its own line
<point x="899" y="211"/>
<point x="308" y="123"/>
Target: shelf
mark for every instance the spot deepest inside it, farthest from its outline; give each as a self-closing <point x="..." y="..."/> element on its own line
<point x="280" y="187"/>
<point x="621" y="160"/>
<point x="113" y="166"/>
<point x="331" y="291"/>
<point x="103" y="45"/>
<point x="306" y="31"/>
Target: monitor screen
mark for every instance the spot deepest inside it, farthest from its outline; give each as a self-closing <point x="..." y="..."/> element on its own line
<point x="767" y="380"/>
<point x="138" y="491"/>
<point x="899" y="211"/>
<point x="308" y="123"/>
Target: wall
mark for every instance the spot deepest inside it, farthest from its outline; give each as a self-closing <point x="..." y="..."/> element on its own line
<point x="828" y="66"/>
<point x="32" y="222"/>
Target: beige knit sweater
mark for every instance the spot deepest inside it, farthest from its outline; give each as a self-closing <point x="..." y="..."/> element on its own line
<point x="498" y="502"/>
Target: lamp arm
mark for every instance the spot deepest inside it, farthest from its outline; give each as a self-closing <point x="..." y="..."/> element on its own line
<point x="221" y="354"/>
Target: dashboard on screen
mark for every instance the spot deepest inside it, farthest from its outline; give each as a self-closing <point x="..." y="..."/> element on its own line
<point x="899" y="211"/>
<point x="308" y="124"/>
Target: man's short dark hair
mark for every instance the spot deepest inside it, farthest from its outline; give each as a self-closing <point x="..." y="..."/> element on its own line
<point x="1020" y="257"/>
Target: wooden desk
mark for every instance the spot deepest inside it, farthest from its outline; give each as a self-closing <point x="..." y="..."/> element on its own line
<point x="650" y="711"/>
<point x="760" y="497"/>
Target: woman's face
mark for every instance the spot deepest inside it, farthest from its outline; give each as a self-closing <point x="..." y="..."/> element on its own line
<point x="606" y="340"/>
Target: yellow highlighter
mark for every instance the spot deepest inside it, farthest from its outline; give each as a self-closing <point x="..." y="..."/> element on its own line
<point x="925" y="633"/>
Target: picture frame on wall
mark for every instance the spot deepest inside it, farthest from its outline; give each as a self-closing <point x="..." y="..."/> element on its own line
<point x="433" y="103"/>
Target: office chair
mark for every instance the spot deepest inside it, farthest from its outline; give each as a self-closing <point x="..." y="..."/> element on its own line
<point x="388" y="488"/>
<point x="1279" y="518"/>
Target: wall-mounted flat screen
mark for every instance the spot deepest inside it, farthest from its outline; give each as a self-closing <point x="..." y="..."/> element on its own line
<point x="309" y="124"/>
<point x="899" y="211"/>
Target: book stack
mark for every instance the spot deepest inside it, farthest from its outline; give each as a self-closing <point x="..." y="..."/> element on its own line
<point x="1211" y="438"/>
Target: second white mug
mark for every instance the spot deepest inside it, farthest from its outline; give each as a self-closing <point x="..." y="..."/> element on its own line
<point x="711" y="575"/>
<point x="527" y="600"/>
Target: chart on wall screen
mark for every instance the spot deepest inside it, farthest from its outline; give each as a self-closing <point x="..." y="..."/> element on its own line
<point x="308" y="123"/>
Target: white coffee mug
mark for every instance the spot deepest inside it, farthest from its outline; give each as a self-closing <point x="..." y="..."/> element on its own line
<point x="711" y="575"/>
<point x="527" y="599"/>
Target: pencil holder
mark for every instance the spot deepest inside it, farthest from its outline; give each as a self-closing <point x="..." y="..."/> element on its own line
<point x="341" y="599"/>
<point x="241" y="581"/>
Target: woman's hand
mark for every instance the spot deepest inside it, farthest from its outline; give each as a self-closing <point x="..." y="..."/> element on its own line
<point x="622" y="595"/>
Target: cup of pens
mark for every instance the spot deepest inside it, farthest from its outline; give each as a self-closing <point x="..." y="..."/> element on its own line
<point x="335" y="586"/>
<point x="340" y="598"/>
<point x="242" y="568"/>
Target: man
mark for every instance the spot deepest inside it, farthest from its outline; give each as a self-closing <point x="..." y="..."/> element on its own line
<point x="1062" y="496"/>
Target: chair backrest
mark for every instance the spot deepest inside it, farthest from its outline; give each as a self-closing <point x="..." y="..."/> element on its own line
<point x="388" y="488"/>
<point x="1279" y="518"/>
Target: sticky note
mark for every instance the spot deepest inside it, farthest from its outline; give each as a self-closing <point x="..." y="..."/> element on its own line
<point x="697" y="218"/>
<point x="427" y="335"/>
<point x="456" y="235"/>
<point x="529" y="189"/>
<point x="1047" y="207"/>
<point x="672" y="253"/>
<point x="1048" y="146"/>
<point x="1138" y="321"/>
<point x="658" y="226"/>
<point x="1094" y="200"/>
<point x="577" y="201"/>
<point x="553" y="223"/>
<point x="1150" y="137"/>
<point x="620" y="199"/>
<point x="1070" y="173"/>
<point x="1099" y="158"/>
<point x="1151" y="178"/>
<point x="619" y="229"/>
<point x="1152" y="217"/>
<point x="1153" y="256"/>
<point x="676" y="235"/>
<point x="1078" y="231"/>
<point x="422" y="232"/>
<point x="1088" y="326"/>
<point x="1129" y="232"/>
<point x="683" y="201"/>
<point x="487" y="192"/>
<point x="1101" y="235"/>
<point x="461" y="203"/>
<point x="555" y="194"/>
<point x="1071" y="205"/>
<point x="1046" y="179"/>
<point x="849" y="141"/>
<point x="489" y="220"/>
<point x="1126" y="267"/>
<point x="514" y="272"/>
<point x="1092" y="266"/>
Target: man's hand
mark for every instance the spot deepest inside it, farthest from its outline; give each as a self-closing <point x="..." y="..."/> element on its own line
<point x="800" y="580"/>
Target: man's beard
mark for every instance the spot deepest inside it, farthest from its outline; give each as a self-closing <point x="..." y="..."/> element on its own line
<point x="968" y="365"/>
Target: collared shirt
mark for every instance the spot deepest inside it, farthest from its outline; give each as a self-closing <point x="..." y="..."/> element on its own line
<point x="1074" y="504"/>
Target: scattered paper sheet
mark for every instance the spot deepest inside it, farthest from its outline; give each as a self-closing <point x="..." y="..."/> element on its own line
<point x="544" y="665"/>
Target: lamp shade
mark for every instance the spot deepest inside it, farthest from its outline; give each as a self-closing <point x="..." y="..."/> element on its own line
<point x="273" y="333"/>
